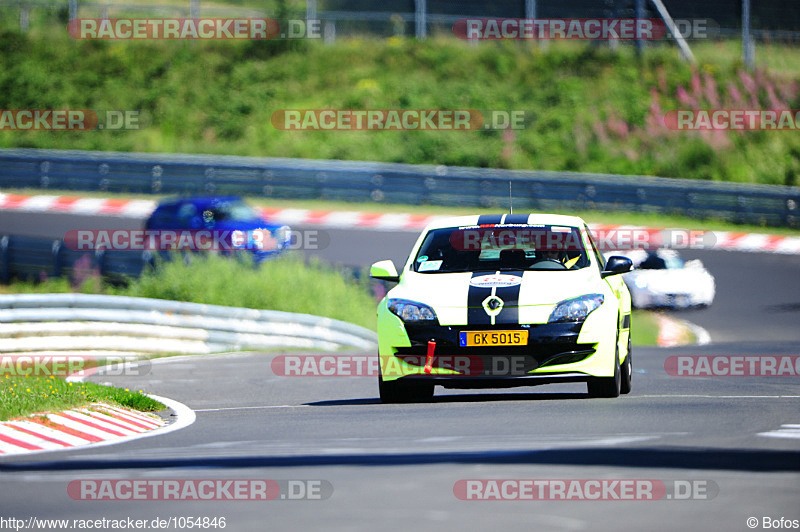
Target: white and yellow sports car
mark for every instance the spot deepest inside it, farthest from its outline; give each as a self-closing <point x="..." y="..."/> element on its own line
<point x="504" y="300"/>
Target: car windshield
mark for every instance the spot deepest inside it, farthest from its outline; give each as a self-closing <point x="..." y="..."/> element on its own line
<point x="229" y="211"/>
<point x="661" y="261"/>
<point x="501" y="247"/>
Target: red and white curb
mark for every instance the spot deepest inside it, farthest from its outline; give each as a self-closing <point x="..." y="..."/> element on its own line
<point x="139" y="209"/>
<point x="96" y="424"/>
<point x="672" y="332"/>
<point x="77" y="205"/>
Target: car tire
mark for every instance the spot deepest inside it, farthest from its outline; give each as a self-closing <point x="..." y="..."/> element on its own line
<point x="627" y="371"/>
<point x="399" y="391"/>
<point x="607" y="386"/>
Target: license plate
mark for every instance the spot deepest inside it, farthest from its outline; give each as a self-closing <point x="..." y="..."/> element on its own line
<point x="493" y="338"/>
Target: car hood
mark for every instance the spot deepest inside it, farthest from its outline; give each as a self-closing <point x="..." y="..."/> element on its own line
<point x="451" y="294"/>
<point x="249" y="225"/>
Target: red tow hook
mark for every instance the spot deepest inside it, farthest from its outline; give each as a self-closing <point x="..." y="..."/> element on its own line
<point x="429" y="360"/>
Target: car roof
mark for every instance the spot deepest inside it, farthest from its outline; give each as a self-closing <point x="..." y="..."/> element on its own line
<point x="532" y="219"/>
<point x="198" y="200"/>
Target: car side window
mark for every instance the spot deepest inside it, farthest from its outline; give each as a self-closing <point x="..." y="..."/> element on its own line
<point x="186" y="213"/>
<point x="162" y="217"/>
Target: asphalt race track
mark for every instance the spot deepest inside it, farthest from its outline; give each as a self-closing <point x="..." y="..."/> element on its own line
<point x="394" y="467"/>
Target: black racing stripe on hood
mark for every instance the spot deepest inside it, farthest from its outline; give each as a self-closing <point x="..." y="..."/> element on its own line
<point x="516" y="218"/>
<point x="510" y="297"/>
<point x="509" y="315"/>
<point x="486" y="219"/>
<point x="475" y="296"/>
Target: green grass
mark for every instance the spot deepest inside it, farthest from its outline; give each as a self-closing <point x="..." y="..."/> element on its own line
<point x="22" y="396"/>
<point x="287" y="284"/>
<point x="590" y="108"/>
<point x="644" y="328"/>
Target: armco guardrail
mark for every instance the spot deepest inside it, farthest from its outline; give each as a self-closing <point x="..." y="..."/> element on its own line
<point x="395" y="183"/>
<point x="139" y="326"/>
<point x="40" y="258"/>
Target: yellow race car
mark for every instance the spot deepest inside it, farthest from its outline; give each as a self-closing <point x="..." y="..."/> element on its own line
<point x="494" y="301"/>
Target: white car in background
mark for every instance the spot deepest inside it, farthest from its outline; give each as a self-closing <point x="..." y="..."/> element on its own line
<point x="662" y="279"/>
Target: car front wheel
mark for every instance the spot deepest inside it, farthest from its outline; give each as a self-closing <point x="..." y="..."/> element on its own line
<point x="627" y="371"/>
<point x="400" y="391"/>
<point x="607" y="386"/>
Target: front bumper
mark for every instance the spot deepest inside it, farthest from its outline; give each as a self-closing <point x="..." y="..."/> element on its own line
<point x="554" y="353"/>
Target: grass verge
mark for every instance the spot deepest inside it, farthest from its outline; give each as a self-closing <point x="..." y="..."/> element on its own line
<point x="644" y="328"/>
<point x="588" y="108"/>
<point x="21" y="396"/>
<point x="288" y="284"/>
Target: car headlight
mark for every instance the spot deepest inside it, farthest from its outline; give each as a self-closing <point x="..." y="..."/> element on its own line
<point x="283" y="235"/>
<point x="576" y="309"/>
<point x="641" y="282"/>
<point x="411" y="310"/>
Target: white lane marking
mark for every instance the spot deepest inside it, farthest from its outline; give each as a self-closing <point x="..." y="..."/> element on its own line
<point x="249" y="408"/>
<point x="723" y="396"/>
<point x="388" y="445"/>
<point x="652" y="396"/>
<point x="787" y="431"/>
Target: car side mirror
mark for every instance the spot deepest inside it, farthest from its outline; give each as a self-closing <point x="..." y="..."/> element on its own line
<point x="385" y="271"/>
<point x="617" y="265"/>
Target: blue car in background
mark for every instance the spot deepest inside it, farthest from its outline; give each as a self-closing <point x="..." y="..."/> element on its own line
<point x="225" y="224"/>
